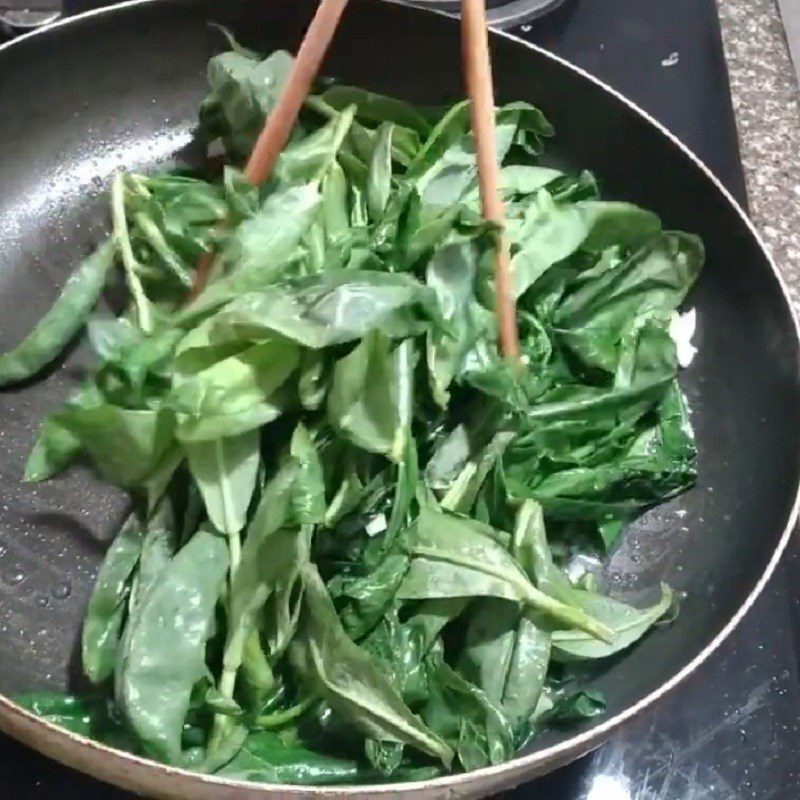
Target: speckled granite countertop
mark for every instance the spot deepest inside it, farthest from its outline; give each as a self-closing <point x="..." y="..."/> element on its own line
<point x="766" y="99"/>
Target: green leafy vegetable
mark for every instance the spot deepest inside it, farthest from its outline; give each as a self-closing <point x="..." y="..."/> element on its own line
<point x="348" y="556"/>
<point x="225" y="471"/>
<point x="507" y="654"/>
<point x="371" y="395"/>
<point x="58" y="327"/>
<point x="330" y="663"/>
<point x="95" y="717"/>
<point x="453" y="558"/>
<point x="102" y="625"/>
<point x="165" y="650"/>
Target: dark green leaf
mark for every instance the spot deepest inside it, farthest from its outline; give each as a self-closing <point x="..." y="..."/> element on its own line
<point x="94" y="717"/>
<point x="267" y="758"/>
<point x="376" y="108"/>
<point x="332" y="665"/>
<point x="574" y="708"/>
<point x="596" y="315"/>
<point x="243" y="90"/>
<point x="465" y="717"/>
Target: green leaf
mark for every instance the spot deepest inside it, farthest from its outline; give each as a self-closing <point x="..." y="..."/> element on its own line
<point x="309" y="158"/>
<point x="243" y="91"/>
<point x="105" y="614"/>
<point x="312" y="385"/>
<point x="225" y="471"/>
<point x="332" y="308"/>
<point x="60" y="324"/>
<point x="362" y="601"/>
<point x="461" y="494"/>
<point x="454" y="557"/>
<point x="465" y="717"/>
<point x="93" y="717"/>
<point x="159" y="545"/>
<point x="165" y="652"/>
<point x="266" y="241"/>
<point x="593" y="318"/>
<point x="520" y="179"/>
<point x="125" y="444"/>
<point x="234" y="395"/>
<point x="574" y="708"/>
<point x="553" y="231"/>
<point x="330" y="664"/>
<point x="632" y="470"/>
<point x="335" y="204"/>
<point x="371" y="394"/>
<point x="454" y="169"/>
<point x="375" y="108"/>
<point x="54" y="449"/>
<point x="274" y="552"/>
<point x="506" y="654"/>
<point x="447" y="131"/>
<point x="267" y="758"/>
<point x="379" y="184"/>
<point x="261" y="247"/>
<point x="451" y="274"/>
<point x="274" y="548"/>
<point x="628" y="624"/>
<point x="400" y="648"/>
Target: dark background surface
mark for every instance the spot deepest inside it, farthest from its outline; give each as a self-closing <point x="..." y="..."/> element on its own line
<point x="733" y="730"/>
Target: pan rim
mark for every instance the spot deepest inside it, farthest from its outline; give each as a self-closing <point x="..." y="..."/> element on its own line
<point x="521" y="766"/>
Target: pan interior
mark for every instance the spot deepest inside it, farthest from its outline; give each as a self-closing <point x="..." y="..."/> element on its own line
<point x="122" y="90"/>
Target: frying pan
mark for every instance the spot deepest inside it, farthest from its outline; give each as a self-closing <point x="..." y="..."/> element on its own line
<point x="120" y="88"/>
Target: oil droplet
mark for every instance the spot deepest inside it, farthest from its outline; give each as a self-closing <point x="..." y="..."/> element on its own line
<point x="14" y="577"/>
<point x="61" y="591"/>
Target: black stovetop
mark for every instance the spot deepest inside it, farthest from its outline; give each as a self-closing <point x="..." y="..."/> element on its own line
<point x="732" y="731"/>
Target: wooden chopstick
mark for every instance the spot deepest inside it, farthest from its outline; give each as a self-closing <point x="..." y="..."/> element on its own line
<point x="478" y="77"/>
<point x="282" y="118"/>
<point x="306" y="66"/>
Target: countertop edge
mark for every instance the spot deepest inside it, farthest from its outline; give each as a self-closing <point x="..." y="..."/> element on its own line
<point x="767" y="105"/>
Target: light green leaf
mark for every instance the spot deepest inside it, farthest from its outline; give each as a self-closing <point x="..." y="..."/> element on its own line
<point x="60" y="324"/>
<point x="165" y="650"/>
<point x="225" y="471"/>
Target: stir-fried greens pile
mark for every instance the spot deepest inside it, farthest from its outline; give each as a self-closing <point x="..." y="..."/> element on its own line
<point x="347" y="556"/>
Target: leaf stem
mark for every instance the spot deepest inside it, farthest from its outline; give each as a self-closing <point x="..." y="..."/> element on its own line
<point x="129" y="262"/>
<point x="574" y="617"/>
<point x="281" y="718"/>
<point x="343" y="125"/>
<point x="157" y="241"/>
<point x="231" y="661"/>
<point x="235" y="547"/>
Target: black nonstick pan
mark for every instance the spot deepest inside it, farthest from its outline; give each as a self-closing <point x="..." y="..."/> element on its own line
<point x="120" y="88"/>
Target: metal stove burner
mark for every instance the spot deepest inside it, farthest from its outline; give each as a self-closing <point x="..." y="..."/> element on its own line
<point x="501" y="13"/>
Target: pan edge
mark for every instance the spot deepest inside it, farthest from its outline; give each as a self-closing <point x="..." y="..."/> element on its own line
<point x="144" y="775"/>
